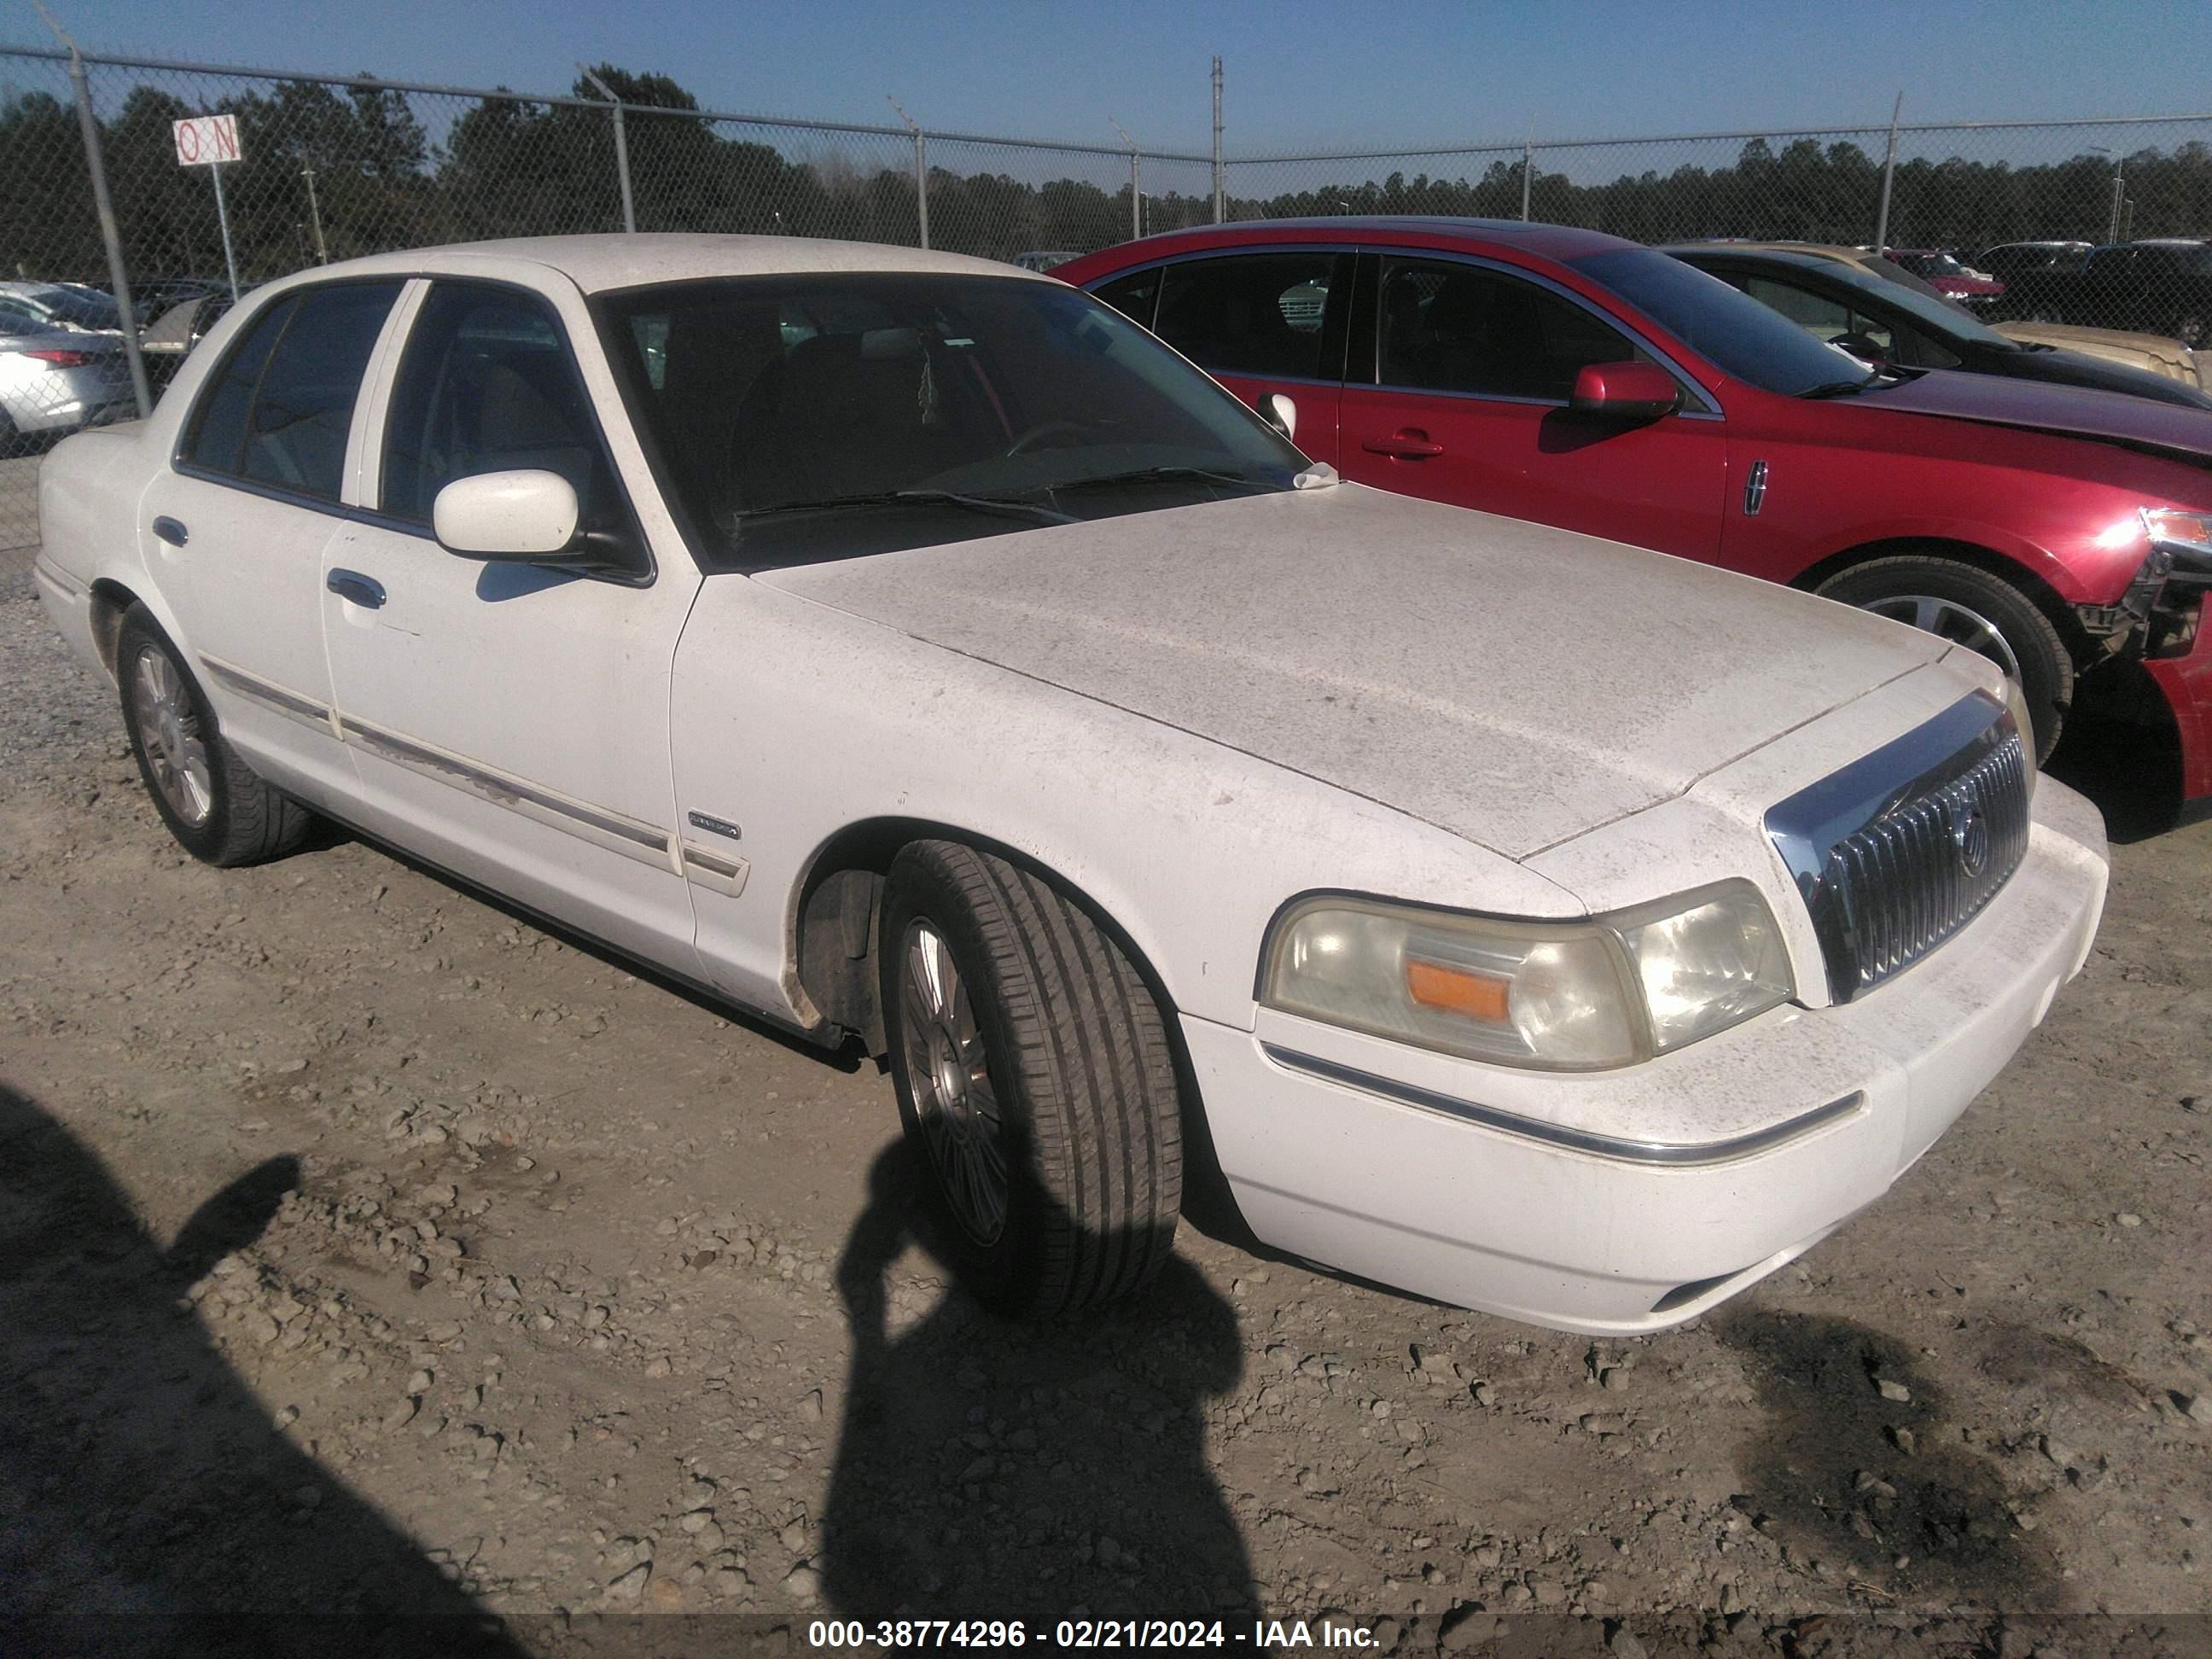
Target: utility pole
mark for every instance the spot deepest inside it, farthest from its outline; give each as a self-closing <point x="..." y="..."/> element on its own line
<point x="1528" y="164"/>
<point x="1220" y="192"/>
<point x="1136" y="181"/>
<point x="118" y="278"/>
<point x="2119" y="196"/>
<point x="920" y="167"/>
<point x="1888" y="176"/>
<point x="315" y="213"/>
<point x="622" y="149"/>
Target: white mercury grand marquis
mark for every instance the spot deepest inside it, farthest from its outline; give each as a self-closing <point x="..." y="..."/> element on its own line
<point x="911" y="650"/>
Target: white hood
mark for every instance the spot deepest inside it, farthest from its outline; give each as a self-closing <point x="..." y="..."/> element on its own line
<point x="1512" y="684"/>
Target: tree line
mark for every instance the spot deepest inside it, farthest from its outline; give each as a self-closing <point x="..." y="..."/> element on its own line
<point x="502" y="166"/>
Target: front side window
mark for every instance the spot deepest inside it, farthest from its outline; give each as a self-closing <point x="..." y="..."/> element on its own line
<point x="1258" y="314"/>
<point x="1445" y="326"/>
<point x="486" y="384"/>
<point x="278" y="412"/>
<point x="830" y="415"/>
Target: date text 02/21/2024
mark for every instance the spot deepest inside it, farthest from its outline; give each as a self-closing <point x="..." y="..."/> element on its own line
<point x="1264" y="1634"/>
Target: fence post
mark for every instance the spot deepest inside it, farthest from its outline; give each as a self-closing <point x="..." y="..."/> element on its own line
<point x="1220" y="188"/>
<point x="1136" y="181"/>
<point x="1889" y="174"/>
<point x="1528" y="167"/>
<point x="621" y="150"/>
<point x="118" y="278"/>
<point x="920" y="167"/>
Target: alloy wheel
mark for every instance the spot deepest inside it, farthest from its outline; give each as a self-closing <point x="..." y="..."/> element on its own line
<point x="1949" y="620"/>
<point x="169" y="730"/>
<point x="948" y="1072"/>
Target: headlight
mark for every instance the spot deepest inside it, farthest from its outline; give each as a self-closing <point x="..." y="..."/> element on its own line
<point x="1558" y="996"/>
<point x="2185" y="538"/>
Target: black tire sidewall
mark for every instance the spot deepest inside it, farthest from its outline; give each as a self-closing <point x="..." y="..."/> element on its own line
<point x="2046" y="673"/>
<point x="207" y="840"/>
<point x="1004" y="1274"/>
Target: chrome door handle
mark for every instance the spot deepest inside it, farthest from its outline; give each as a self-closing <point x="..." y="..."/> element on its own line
<point x="170" y="531"/>
<point x="356" y="589"/>
<point x="1405" y="447"/>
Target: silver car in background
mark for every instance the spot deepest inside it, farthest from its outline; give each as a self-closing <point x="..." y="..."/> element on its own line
<point x="57" y="381"/>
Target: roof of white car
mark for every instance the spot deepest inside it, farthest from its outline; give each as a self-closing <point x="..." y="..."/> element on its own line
<point x="599" y="263"/>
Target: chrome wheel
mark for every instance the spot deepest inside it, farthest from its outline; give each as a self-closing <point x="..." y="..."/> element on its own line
<point x="1949" y="620"/>
<point x="169" y="731"/>
<point x="949" y="1074"/>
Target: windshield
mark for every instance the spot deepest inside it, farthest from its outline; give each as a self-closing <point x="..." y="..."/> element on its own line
<point x="82" y="309"/>
<point x="1930" y="264"/>
<point x="1736" y="333"/>
<point x="836" y="414"/>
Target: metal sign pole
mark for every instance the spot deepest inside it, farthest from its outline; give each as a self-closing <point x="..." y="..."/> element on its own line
<point x="222" y="218"/>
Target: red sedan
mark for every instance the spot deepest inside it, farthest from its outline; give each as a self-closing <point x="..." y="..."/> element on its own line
<point x="1579" y="380"/>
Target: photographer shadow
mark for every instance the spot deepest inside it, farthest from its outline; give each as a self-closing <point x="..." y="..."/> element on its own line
<point x="150" y="1503"/>
<point x="987" y="1469"/>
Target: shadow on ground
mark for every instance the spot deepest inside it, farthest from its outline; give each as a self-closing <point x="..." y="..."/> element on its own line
<point x="146" y="1500"/>
<point x="1030" y="1471"/>
<point x="1879" y="1491"/>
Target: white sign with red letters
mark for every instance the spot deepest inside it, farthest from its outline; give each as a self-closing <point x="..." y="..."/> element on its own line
<point x="207" y="139"/>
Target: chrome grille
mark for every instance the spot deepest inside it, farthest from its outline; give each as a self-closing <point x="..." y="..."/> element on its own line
<point x="1898" y="851"/>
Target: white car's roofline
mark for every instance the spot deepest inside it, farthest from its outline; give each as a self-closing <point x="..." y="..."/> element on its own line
<point x="598" y="265"/>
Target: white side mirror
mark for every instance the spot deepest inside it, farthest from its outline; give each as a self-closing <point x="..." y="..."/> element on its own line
<point x="505" y="515"/>
<point x="1279" y="412"/>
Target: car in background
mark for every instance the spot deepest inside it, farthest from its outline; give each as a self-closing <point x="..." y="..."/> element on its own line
<point x="1043" y="259"/>
<point x="55" y="381"/>
<point x="165" y="341"/>
<point x="153" y="298"/>
<point x="1528" y="921"/>
<point x="2153" y="354"/>
<point x="1882" y="313"/>
<point x="2007" y="260"/>
<point x="2161" y="286"/>
<point x="1948" y="275"/>
<point x="1579" y="380"/>
<point x="38" y="307"/>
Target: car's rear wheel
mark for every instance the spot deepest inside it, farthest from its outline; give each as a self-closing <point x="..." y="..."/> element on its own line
<point x="2194" y="329"/>
<point x="1967" y="605"/>
<point x="1033" y="1069"/>
<point x="219" y="808"/>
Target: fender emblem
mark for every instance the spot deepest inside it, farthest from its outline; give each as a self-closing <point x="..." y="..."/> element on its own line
<point x="714" y="826"/>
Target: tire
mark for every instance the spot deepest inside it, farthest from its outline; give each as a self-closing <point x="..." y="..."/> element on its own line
<point x="1044" y="1056"/>
<point x="1964" y="603"/>
<point x="220" y="808"/>
<point x="2194" y="331"/>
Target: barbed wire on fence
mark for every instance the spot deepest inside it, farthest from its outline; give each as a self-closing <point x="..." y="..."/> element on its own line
<point x="337" y="165"/>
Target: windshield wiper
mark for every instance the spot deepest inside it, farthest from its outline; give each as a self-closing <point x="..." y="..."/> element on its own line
<point x="1164" y="474"/>
<point x="1842" y="388"/>
<point x="1006" y="506"/>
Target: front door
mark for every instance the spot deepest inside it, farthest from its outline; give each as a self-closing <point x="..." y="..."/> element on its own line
<point x="1465" y="401"/>
<point x="243" y="517"/>
<point x="511" y="719"/>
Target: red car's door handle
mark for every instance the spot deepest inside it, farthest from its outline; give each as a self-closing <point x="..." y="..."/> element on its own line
<point x="1408" y="444"/>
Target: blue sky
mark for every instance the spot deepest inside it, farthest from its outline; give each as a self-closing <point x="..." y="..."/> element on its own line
<point x="1299" y="73"/>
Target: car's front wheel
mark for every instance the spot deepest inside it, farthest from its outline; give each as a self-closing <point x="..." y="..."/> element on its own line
<point x="1033" y="1067"/>
<point x="1967" y="605"/>
<point x="219" y="808"/>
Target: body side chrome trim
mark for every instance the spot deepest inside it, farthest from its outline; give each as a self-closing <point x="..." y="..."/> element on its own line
<point x="275" y="696"/>
<point x="640" y="841"/>
<point x="70" y="586"/>
<point x="1668" y="1154"/>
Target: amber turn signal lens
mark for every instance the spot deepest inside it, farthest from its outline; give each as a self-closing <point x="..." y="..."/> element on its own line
<point x="1457" y="991"/>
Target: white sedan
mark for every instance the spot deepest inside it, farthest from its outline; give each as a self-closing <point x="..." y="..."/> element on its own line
<point x="913" y="651"/>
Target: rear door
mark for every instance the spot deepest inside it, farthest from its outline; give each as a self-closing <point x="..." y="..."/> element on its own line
<point x="1259" y="321"/>
<point x="236" y="527"/>
<point x="1458" y="391"/>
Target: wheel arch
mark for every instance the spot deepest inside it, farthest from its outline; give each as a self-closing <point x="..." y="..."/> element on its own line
<point x="111" y="602"/>
<point x="1987" y="560"/>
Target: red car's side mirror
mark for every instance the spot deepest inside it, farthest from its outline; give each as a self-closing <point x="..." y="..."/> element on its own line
<point x="1624" y="391"/>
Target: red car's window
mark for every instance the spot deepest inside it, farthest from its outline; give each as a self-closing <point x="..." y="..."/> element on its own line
<point x="1258" y="314"/>
<point x="1451" y="327"/>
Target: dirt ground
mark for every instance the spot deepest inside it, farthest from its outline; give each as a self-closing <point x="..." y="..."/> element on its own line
<point x="363" y="1247"/>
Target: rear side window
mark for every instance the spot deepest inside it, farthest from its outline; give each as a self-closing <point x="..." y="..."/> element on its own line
<point x="279" y="412"/>
<point x="1133" y="295"/>
<point x="1259" y="314"/>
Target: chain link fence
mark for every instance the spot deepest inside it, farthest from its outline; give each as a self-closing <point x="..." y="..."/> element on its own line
<point x="333" y="167"/>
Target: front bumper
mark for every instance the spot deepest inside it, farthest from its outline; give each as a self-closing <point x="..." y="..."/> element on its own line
<point x="1631" y="1200"/>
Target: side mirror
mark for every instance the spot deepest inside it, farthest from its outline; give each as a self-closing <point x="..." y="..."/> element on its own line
<point x="507" y="515"/>
<point x="1624" y="391"/>
<point x="1863" y="348"/>
<point x="1281" y="413"/>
